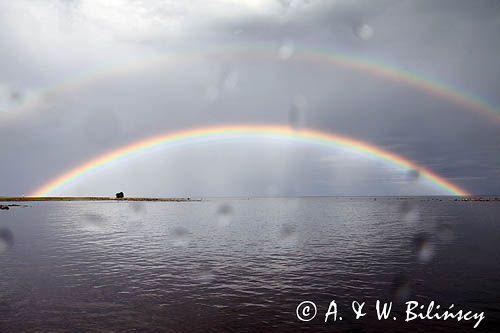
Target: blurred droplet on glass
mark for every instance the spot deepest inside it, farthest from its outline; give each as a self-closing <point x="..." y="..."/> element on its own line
<point x="137" y="206"/>
<point x="401" y="288"/>
<point x="409" y="211"/>
<point x="364" y="31"/>
<point x="6" y="239"/>
<point x="405" y="207"/>
<point x="412" y="217"/>
<point x="445" y="232"/>
<point x="286" y="50"/>
<point x="288" y="236"/>
<point x="16" y="96"/>
<point x="288" y="233"/>
<point x="296" y="113"/>
<point x="93" y="221"/>
<point x="205" y="275"/>
<point x="424" y="248"/>
<point x="225" y="214"/>
<point x="231" y="80"/>
<point x="49" y="98"/>
<point x="293" y="117"/>
<point x="413" y="175"/>
<point x="94" y="218"/>
<point x="300" y="102"/>
<point x="211" y="93"/>
<point x="180" y="236"/>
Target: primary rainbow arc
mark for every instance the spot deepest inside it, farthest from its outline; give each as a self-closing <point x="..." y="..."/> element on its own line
<point x="238" y="131"/>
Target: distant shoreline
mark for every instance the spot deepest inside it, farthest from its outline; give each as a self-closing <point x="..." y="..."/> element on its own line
<point x="16" y="199"/>
<point x="486" y="198"/>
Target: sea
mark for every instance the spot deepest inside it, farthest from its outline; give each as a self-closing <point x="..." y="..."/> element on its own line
<point x="248" y="264"/>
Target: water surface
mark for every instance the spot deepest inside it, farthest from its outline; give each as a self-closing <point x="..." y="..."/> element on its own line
<point x="234" y="264"/>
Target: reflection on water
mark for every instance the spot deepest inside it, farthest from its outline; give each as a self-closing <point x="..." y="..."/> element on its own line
<point x="170" y="266"/>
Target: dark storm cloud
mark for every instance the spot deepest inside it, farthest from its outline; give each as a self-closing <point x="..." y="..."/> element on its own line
<point x="455" y="41"/>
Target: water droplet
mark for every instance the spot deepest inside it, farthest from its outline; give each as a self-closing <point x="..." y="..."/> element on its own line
<point x="211" y="93"/>
<point x="445" y="232"/>
<point x="364" y="31"/>
<point x="94" y="218"/>
<point x="181" y="236"/>
<point x="287" y="231"/>
<point x="231" y="80"/>
<point x="205" y="276"/>
<point x="296" y="113"/>
<point x="412" y="216"/>
<point x="401" y="288"/>
<point x="224" y="215"/>
<point x="6" y="239"/>
<point x="16" y="96"/>
<point x="286" y="50"/>
<point x="93" y="222"/>
<point x="288" y="235"/>
<point x="137" y="206"/>
<point x="409" y="212"/>
<point x="413" y="175"/>
<point x="424" y="247"/>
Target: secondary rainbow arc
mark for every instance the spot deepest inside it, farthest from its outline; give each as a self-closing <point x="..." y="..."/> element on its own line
<point x="352" y="62"/>
<point x="277" y="131"/>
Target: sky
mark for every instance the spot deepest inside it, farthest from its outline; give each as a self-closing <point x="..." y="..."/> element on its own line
<point x="79" y="78"/>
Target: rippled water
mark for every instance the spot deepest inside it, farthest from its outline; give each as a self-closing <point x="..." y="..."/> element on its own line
<point x="225" y="265"/>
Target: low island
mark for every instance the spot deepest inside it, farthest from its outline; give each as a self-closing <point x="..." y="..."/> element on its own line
<point x="24" y="199"/>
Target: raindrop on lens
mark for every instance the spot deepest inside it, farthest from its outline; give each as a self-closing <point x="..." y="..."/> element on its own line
<point x="445" y="232"/>
<point x="401" y="288"/>
<point x="413" y="175"/>
<point x="424" y="248"/>
<point x="224" y="215"/>
<point x="286" y="51"/>
<point x="137" y="206"/>
<point x="181" y="236"/>
<point x="205" y="276"/>
<point x="94" y="218"/>
<point x="231" y="80"/>
<point x="287" y="231"/>
<point x="16" y="96"/>
<point x="93" y="221"/>
<point x="6" y="239"/>
<point x="288" y="235"/>
<point x="296" y="112"/>
<point x="364" y="31"/>
<point x="406" y="207"/>
<point x="211" y="93"/>
<point x="409" y="213"/>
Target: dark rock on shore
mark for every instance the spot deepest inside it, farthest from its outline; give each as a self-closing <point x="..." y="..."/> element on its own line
<point x="7" y="207"/>
<point x="6" y="239"/>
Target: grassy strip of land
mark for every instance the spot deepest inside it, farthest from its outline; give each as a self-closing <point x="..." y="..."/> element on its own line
<point x="5" y="199"/>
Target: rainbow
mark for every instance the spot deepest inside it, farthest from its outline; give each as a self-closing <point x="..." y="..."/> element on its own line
<point x="267" y="52"/>
<point x="247" y="131"/>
